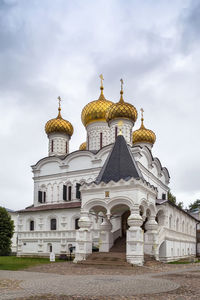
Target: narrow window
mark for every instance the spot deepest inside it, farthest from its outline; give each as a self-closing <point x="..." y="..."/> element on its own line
<point x="101" y="140"/>
<point x="115" y="132"/>
<point x="64" y="192"/>
<point x="31" y="225"/>
<point x="88" y="142"/>
<point x="44" y="197"/>
<point x="78" y="193"/>
<point x="163" y="196"/>
<point x="66" y="147"/>
<point x="69" y="193"/>
<point x="40" y="196"/>
<point x="76" y="224"/>
<point x="53" y="224"/>
<point x="52" y="146"/>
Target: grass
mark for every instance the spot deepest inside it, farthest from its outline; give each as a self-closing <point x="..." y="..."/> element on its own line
<point x="17" y="263"/>
<point x="182" y="262"/>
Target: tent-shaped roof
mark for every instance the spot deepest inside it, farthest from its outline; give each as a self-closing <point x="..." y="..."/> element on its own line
<point x="120" y="164"/>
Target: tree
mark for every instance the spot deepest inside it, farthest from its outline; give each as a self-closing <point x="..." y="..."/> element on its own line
<point x="172" y="198"/>
<point x="194" y="205"/>
<point x="6" y="232"/>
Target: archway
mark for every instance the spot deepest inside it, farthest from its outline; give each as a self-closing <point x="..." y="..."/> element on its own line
<point x="124" y="224"/>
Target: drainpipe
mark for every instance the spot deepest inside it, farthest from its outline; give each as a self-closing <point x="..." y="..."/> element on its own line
<point x="196" y="236"/>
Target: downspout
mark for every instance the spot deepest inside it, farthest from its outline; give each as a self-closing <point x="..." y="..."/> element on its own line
<point x="196" y="236"/>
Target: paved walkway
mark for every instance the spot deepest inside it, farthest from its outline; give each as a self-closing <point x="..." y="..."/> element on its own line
<point x="174" y="284"/>
<point x="35" y="283"/>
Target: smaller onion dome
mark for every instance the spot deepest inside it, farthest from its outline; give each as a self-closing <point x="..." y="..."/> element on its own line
<point x="82" y="146"/>
<point x="96" y="110"/>
<point x="59" y="124"/>
<point x="121" y="109"/>
<point x="143" y="135"/>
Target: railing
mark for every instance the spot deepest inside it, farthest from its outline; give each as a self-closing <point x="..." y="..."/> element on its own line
<point x="47" y="234"/>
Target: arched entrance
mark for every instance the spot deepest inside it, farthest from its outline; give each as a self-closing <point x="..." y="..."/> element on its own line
<point x="124" y="224"/>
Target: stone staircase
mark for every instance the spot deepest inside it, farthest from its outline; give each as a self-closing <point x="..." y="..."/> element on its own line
<point x="115" y="258"/>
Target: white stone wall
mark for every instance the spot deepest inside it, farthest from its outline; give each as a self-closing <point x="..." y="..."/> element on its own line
<point x="126" y="130"/>
<point x="59" y="144"/>
<point x="93" y="133"/>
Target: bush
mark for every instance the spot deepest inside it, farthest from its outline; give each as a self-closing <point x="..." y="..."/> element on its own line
<point x="6" y="232"/>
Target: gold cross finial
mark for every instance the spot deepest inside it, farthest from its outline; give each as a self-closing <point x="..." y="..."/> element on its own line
<point x="101" y="77"/>
<point x="121" y="84"/>
<point x="59" y="100"/>
<point x="120" y="123"/>
<point x="142" y="118"/>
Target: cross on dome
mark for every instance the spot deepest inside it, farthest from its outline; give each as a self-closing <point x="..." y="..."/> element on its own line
<point x="101" y="77"/>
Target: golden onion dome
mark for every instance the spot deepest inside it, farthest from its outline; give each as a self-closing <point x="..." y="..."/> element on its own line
<point x="121" y="109"/>
<point x="59" y="124"/>
<point x="143" y="135"/>
<point x="96" y="110"/>
<point x="82" y="146"/>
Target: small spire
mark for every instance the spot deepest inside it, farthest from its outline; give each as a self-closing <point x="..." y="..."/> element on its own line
<point x="122" y="91"/>
<point x="142" y="117"/>
<point x="101" y="97"/>
<point x="120" y="123"/>
<point x="59" y="107"/>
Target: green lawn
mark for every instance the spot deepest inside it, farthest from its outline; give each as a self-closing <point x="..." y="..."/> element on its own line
<point x="17" y="263"/>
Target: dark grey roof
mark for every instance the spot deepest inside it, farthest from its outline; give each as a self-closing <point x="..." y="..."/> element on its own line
<point x="120" y="164"/>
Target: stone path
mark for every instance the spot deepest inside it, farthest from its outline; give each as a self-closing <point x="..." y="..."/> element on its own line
<point x="175" y="284"/>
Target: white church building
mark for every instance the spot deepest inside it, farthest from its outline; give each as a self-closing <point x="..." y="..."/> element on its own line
<point x="109" y="191"/>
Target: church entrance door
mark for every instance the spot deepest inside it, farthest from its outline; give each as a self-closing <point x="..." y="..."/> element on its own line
<point x="124" y="224"/>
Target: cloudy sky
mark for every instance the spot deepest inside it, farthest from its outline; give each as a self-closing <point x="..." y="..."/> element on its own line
<point x="59" y="47"/>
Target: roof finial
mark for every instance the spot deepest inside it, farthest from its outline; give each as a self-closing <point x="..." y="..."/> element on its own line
<point x="120" y="123"/>
<point x="59" y="107"/>
<point x="142" y="117"/>
<point x="101" y="77"/>
<point x="121" y="92"/>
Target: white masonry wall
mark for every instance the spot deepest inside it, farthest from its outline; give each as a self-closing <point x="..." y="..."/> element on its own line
<point x="59" y="144"/>
<point x="93" y="135"/>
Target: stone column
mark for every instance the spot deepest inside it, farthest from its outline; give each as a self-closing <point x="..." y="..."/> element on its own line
<point x="106" y="236"/>
<point x="151" y="237"/>
<point x="135" y="239"/>
<point x="83" y="238"/>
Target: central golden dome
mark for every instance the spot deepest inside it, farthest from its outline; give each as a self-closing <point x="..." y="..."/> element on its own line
<point x="59" y="125"/>
<point x="96" y="110"/>
<point x="82" y="146"/>
<point x="121" y="110"/>
<point x="143" y="135"/>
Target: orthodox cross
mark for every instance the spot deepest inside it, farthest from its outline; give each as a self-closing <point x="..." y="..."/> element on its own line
<point x="59" y="100"/>
<point x="121" y="84"/>
<point x="101" y="77"/>
<point x="120" y="123"/>
<point x="142" y="110"/>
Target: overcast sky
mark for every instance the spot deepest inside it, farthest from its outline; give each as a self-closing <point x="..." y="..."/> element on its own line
<point x="59" y="47"/>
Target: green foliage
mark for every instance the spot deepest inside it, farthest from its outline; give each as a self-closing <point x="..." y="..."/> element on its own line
<point x="194" y="205"/>
<point x="6" y="232"/>
<point x="17" y="263"/>
<point x="171" y="197"/>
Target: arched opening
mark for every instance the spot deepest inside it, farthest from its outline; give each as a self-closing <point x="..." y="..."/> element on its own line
<point x="53" y="224"/>
<point x="31" y="225"/>
<point x="124" y="223"/>
<point x="49" y="247"/>
<point x="162" y="251"/>
<point x="160" y="218"/>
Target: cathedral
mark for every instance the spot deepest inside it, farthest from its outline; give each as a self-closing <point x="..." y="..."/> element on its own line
<point x="109" y="191"/>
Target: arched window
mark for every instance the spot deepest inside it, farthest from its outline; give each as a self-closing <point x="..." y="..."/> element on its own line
<point x="52" y="146"/>
<point x="170" y="222"/>
<point x="53" y="224"/>
<point x="88" y="142"/>
<point x="32" y="225"/>
<point x="66" y="150"/>
<point x="115" y="132"/>
<point x="101" y="140"/>
<point x="183" y="226"/>
<point x="177" y="224"/>
<point x="76" y="223"/>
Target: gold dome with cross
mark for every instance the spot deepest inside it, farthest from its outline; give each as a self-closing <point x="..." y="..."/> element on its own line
<point x="121" y="109"/>
<point x="96" y="110"/>
<point x="59" y="124"/>
<point x="143" y="135"/>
